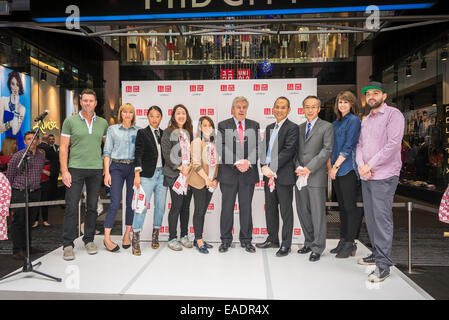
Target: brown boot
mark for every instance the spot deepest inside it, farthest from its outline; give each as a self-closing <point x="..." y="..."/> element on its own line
<point x="135" y="243"/>
<point x="155" y="239"/>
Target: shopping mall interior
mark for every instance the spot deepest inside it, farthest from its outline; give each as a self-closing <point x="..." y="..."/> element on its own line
<point x="61" y="49"/>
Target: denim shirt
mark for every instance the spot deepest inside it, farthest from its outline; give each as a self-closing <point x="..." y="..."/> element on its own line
<point x="346" y="133"/>
<point x="120" y="142"/>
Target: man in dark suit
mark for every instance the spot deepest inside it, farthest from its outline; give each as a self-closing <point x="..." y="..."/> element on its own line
<point x="316" y="140"/>
<point x="278" y="162"/>
<point x="54" y="166"/>
<point x="238" y="172"/>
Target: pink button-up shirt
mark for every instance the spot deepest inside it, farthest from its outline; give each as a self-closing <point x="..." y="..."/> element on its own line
<point x="380" y="142"/>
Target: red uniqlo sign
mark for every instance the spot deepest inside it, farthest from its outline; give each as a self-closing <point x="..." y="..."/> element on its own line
<point x="297" y="231"/>
<point x="243" y="73"/>
<point x="300" y="111"/>
<point x="139" y="112"/>
<point x="227" y="74"/>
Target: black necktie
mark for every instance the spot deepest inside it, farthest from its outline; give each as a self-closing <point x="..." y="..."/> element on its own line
<point x="158" y="136"/>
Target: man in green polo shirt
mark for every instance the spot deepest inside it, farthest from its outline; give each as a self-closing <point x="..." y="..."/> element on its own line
<point x="82" y="134"/>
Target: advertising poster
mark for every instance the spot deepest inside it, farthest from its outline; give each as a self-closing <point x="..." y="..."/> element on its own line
<point x="15" y="105"/>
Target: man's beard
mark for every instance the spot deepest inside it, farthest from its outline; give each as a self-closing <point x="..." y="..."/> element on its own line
<point x="376" y="105"/>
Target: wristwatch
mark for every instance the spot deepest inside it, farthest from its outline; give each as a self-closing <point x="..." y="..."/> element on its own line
<point x="336" y="167"/>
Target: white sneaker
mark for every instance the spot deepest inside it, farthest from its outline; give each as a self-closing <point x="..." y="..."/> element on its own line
<point x="174" y="245"/>
<point x="186" y="242"/>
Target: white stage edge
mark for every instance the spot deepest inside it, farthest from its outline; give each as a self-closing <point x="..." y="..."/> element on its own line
<point x="188" y="274"/>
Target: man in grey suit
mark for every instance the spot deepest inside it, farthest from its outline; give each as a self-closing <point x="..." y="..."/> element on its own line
<point x="238" y="142"/>
<point x="316" y="140"/>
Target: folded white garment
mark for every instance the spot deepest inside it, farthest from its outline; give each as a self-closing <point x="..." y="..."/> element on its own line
<point x="301" y="181"/>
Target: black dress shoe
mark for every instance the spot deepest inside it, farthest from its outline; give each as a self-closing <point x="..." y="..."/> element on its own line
<point x="248" y="247"/>
<point x="282" y="252"/>
<point x="267" y="244"/>
<point x="304" y="250"/>
<point x="224" y="247"/>
<point x="314" y="257"/>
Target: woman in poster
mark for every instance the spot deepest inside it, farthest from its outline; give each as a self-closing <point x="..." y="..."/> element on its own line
<point x="12" y="112"/>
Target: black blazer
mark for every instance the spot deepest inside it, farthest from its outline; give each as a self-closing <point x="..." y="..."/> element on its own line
<point x="227" y="172"/>
<point x="286" y="144"/>
<point x="145" y="154"/>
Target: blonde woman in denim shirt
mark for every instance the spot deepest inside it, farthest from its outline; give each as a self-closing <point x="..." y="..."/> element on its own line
<point x="118" y="156"/>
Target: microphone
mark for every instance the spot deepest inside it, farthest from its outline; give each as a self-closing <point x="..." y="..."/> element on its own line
<point x="42" y="116"/>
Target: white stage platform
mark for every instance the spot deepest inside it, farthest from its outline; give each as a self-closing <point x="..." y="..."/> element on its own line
<point x="188" y="274"/>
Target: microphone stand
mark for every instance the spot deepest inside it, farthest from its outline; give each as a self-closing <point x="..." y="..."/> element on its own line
<point x="27" y="265"/>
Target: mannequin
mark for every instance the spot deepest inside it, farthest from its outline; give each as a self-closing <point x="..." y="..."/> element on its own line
<point x="152" y="46"/>
<point x="322" y="43"/>
<point x="226" y="44"/>
<point x="283" y="39"/>
<point x="218" y="40"/>
<point x="265" y="44"/>
<point x="331" y="45"/>
<point x="197" y="48"/>
<point x="189" y="46"/>
<point x="303" y="39"/>
<point x="132" y="45"/>
<point x="208" y="45"/>
<point x="245" y="40"/>
<point x="170" y="43"/>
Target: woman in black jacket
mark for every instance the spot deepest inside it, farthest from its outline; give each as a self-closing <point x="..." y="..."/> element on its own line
<point x="176" y="150"/>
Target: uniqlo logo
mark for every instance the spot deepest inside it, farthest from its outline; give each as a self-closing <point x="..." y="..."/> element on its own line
<point x="232" y="230"/>
<point x="264" y="207"/>
<point x="264" y="87"/>
<point x="160" y="88"/>
<point x="129" y="89"/>
<point x="294" y="86"/>
<point x="211" y="206"/>
<point x="145" y="112"/>
<point x="223" y="87"/>
<point x="203" y="112"/>
<point x="139" y="112"/>
<point x="136" y="89"/>
<point x="167" y="88"/>
<point x="263" y="231"/>
<point x="141" y="196"/>
<point x="297" y="231"/>
<point x="163" y="229"/>
<point x="210" y="112"/>
<point x="260" y="184"/>
<point x="200" y="88"/>
<point x="300" y="111"/>
<point x="256" y="87"/>
<point x="170" y="111"/>
<point x="256" y="230"/>
<point x="236" y="207"/>
<point x="169" y="206"/>
<point x="191" y="230"/>
<point x="231" y="87"/>
<point x="193" y="88"/>
<point x="227" y="74"/>
<point x="267" y="111"/>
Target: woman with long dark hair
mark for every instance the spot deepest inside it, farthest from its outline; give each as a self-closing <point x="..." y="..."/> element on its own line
<point x="342" y="169"/>
<point x="203" y="177"/>
<point x="176" y="151"/>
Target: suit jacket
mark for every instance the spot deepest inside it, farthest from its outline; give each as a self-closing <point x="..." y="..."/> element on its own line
<point x="231" y="151"/>
<point x="283" y="152"/>
<point x="198" y="153"/>
<point x="314" y="151"/>
<point x="145" y="153"/>
<point x="52" y="156"/>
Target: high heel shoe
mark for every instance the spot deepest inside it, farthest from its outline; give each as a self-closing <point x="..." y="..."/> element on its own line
<point x="349" y="249"/>
<point x="339" y="247"/>
<point x="115" y="249"/>
<point x="125" y="246"/>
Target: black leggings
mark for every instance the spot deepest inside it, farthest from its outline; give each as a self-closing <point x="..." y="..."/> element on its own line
<point x="180" y="207"/>
<point x="201" y="198"/>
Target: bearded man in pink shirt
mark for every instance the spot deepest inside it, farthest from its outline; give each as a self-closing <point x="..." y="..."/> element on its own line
<point x="378" y="158"/>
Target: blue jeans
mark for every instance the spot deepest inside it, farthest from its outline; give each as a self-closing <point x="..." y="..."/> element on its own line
<point x="120" y="173"/>
<point x="155" y="183"/>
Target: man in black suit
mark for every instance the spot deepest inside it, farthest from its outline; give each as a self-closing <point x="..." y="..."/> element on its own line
<point x="238" y="172"/>
<point x="53" y="152"/>
<point x="278" y="162"/>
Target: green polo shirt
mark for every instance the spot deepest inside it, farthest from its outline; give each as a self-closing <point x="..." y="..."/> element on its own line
<point x="85" y="141"/>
